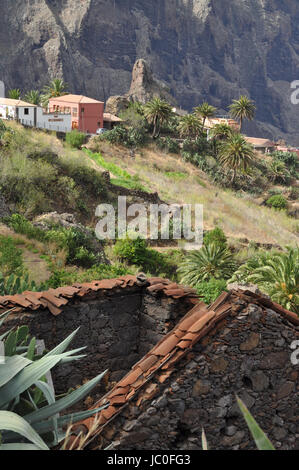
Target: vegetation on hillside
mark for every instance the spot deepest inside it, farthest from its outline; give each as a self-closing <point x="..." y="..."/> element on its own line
<point x="39" y="174"/>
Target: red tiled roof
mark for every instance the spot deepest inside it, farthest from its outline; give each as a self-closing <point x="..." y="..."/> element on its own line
<point x="74" y="99"/>
<point x="160" y="361"/>
<point x="56" y="299"/>
<point x="111" y="118"/>
<point x="12" y="102"/>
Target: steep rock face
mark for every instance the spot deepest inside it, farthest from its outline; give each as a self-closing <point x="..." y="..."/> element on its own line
<point x="202" y="49"/>
<point x="144" y="85"/>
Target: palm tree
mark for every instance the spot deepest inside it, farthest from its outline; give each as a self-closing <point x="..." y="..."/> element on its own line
<point x="236" y="154"/>
<point x="211" y="261"/>
<point x="205" y="111"/>
<point x="157" y="112"/>
<point x="189" y="125"/>
<point x="33" y="97"/>
<point x="278" y="171"/>
<point x="221" y="131"/>
<point x="57" y="87"/>
<point x="243" y="108"/>
<point x="14" y="94"/>
<point x="278" y="275"/>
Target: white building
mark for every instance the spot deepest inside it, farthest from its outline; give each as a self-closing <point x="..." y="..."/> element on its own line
<point x="60" y="122"/>
<point x="16" y="109"/>
<point x="34" y="116"/>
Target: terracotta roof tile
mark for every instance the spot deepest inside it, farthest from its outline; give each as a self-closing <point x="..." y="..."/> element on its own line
<point x="166" y="346"/>
<point x="189" y="321"/>
<point x="130" y="378"/>
<point x="108" y="412"/>
<point x="119" y="391"/>
<point x="155" y="287"/>
<point x="199" y="324"/>
<point x="146" y="363"/>
<point x="56" y="299"/>
<point x="53" y="299"/>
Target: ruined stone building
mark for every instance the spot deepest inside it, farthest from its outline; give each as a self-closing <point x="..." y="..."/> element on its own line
<point x="176" y="365"/>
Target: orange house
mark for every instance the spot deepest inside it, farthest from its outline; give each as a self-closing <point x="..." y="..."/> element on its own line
<point x="87" y="114"/>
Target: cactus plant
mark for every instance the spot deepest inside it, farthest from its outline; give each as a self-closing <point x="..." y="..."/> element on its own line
<point x="16" y="284"/>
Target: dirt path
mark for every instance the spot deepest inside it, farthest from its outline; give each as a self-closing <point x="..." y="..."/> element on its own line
<point x="37" y="267"/>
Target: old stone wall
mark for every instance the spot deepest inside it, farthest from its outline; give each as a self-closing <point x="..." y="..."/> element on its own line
<point x="117" y="328"/>
<point x="249" y="356"/>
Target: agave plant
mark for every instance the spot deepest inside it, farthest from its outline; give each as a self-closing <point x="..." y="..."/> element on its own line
<point x="211" y="261"/>
<point x="29" y="411"/>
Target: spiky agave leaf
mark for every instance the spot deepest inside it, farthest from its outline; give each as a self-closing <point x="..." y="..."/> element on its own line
<point x="12" y="422"/>
<point x="260" y="438"/>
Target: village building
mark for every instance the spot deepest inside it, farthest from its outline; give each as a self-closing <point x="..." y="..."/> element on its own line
<point x="110" y="121"/>
<point x="87" y="114"/>
<point x="31" y="115"/>
<point x="261" y="145"/>
<point x="17" y="109"/>
<point x="176" y="365"/>
<point x="212" y="122"/>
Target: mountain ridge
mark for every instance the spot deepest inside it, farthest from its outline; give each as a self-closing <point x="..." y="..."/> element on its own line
<point x="203" y="50"/>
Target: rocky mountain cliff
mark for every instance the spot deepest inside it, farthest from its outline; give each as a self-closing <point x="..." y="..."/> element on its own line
<point x="202" y="49"/>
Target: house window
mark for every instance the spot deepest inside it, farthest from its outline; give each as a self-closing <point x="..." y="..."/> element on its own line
<point x="74" y="111"/>
<point x="26" y="111"/>
<point x="82" y="110"/>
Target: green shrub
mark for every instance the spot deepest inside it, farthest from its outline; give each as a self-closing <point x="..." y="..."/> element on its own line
<point x="210" y="291"/>
<point x="11" y="260"/>
<point x="290" y="160"/>
<point x="21" y="225"/>
<point x="168" y="144"/>
<point x="97" y="272"/>
<point x="277" y="202"/>
<point x="132" y="251"/>
<point x="200" y="145"/>
<point x="89" y="179"/>
<point x="78" y="245"/>
<point x="137" y="253"/>
<point x="75" y="139"/>
<point x="129" y="137"/>
<point x="216" y="236"/>
<point x="46" y="155"/>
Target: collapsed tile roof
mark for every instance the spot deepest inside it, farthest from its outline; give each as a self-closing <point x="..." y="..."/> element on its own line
<point x="161" y="360"/>
<point x="55" y="299"/>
